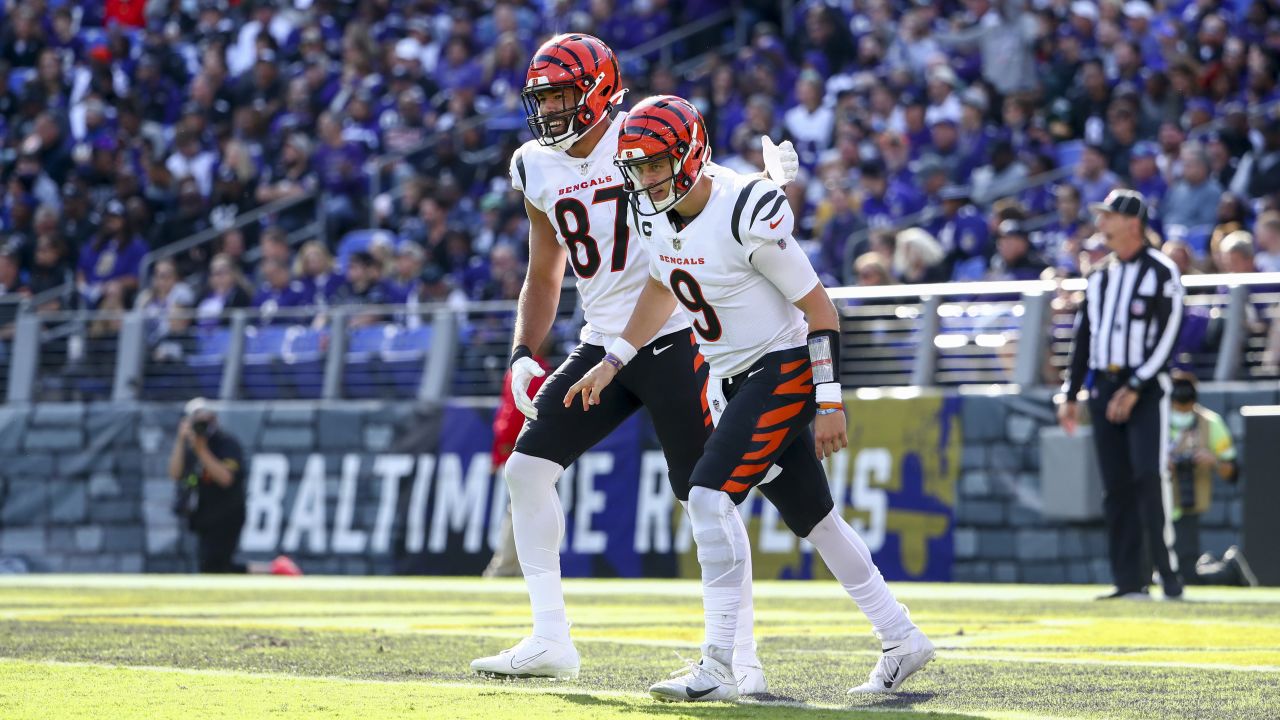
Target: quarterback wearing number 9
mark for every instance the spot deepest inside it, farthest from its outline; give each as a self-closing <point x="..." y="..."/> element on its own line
<point x="720" y="249"/>
<point x="578" y="212"/>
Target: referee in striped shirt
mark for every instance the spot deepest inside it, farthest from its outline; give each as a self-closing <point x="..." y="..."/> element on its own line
<point x="1124" y="336"/>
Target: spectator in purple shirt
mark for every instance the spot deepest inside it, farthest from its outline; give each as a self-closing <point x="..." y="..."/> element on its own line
<point x="339" y="166"/>
<point x="885" y="203"/>
<point x="406" y="281"/>
<point x="112" y="257"/>
<point x="1144" y="175"/>
<point x="315" y="269"/>
<point x="1092" y="176"/>
<point x="460" y="65"/>
<point x="279" y="291"/>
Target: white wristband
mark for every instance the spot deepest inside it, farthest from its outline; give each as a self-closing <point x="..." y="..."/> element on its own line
<point x="828" y="392"/>
<point x="622" y="350"/>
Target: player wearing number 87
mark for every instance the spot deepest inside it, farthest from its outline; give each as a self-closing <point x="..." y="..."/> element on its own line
<point x="720" y="247"/>
<point x="577" y="211"/>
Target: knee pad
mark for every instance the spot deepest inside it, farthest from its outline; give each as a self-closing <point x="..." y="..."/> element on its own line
<point x="527" y="475"/>
<point x="709" y="510"/>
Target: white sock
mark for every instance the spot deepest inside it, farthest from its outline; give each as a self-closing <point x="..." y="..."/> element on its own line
<point x="744" y="640"/>
<point x="848" y="558"/>
<point x="537" y="521"/>
<point x="722" y="545"/>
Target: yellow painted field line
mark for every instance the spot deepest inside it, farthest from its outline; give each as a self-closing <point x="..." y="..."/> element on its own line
<point x="609" y="587"/>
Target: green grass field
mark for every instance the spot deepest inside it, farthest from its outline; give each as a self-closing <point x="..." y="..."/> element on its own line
<point x="199" y="647"/>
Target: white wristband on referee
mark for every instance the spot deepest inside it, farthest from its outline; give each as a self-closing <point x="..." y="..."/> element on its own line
<point x="828" y="392"/>
<point x="622" y="350"/>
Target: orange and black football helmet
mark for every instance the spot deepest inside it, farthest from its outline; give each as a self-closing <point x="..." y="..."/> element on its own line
<point x="663" y="127"/>
<point x="584" y="67"/>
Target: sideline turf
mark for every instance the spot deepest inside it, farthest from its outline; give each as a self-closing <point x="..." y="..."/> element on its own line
<point x="189" y="647"/>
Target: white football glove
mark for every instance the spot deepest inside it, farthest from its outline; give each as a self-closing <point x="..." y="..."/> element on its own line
<point x="523" y="371"/>
<point x="780" y="161"/>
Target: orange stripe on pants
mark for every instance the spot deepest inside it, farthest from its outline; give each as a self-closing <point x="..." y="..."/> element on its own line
<point x="734" y="486"/>
<point x="749" y="470"/>
<point x="798" y="385"/>
<point x="781" y="415"/>
<point x="771" y="440"/>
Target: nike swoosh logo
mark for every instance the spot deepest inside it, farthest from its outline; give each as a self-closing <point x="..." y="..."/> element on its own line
<point x="773" y="225"/>
<point x="895" y="647"/>
<point x="516" y="665"/>
<point x="889" y="683"/>
<point x="753" y="372"/>
<point x="695" y="694"/>
<point x="659" y="351"/>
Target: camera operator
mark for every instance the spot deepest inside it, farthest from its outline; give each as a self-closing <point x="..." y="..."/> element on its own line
<point x="1199" y="445"/>
<point x="208" y="464"/>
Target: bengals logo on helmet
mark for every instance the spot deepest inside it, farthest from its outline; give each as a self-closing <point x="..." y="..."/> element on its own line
<point x="662" y="150"/>
<point x="576" y="77"/>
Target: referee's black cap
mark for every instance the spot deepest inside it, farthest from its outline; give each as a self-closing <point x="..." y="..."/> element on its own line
<point x="1129" y="203"/>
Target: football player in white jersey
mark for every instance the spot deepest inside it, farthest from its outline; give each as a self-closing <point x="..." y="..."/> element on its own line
<point x="720" y="248"/>
<point x="578" y="210"/>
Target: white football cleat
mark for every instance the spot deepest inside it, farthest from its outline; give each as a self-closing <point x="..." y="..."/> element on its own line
<point x="707" y="680"/>
<point x="899" y="660"/>
<point x="532" y="657"/>
<point x="750" y="678"/>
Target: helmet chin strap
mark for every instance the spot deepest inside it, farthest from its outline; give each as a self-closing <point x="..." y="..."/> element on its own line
<point x="670" y="201"/>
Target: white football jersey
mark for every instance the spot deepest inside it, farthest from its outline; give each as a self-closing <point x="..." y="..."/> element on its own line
<point x="584" y="199"/>
<point x="738" y="314"/>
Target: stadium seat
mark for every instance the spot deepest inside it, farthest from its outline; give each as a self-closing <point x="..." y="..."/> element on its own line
<point x="208" y="358"/>
<point x="304" y="360"/>
<point x="263" y="346"/>
<point x="408" y="343"/>
<point x="404" y="356"/>
<point x="358" y="240"/>
<point x="211" y="346"/>
<point x="361" y="374"/>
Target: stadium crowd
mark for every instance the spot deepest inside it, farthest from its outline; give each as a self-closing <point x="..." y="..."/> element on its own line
<point x="938" y="140"/>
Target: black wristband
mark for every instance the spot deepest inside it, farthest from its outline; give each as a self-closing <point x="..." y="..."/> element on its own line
<point x="520" y="351"/>
<point x="1135" y="383"/>
<point x="824" y="356"/>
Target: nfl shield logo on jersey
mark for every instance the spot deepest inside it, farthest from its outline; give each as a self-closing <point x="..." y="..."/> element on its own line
<point x="782" y="243"/>
<point x="675" y="243"/>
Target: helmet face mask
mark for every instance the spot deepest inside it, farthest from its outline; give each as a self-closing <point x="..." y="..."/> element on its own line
<point x="634" y="172"/>
<point x="657" y="130"/>
<point x="557" y="128"/>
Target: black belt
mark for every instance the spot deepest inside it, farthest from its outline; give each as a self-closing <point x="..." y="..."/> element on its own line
<point x="1115" y="373"/>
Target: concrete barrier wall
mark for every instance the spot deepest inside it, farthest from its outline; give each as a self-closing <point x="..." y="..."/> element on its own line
<point x="1001" y="531"/>
<point x="83" y="488"/>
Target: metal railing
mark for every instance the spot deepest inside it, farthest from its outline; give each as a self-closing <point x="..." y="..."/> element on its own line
<point x="947" y="334"/>
<point x="1020" y="332"/>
